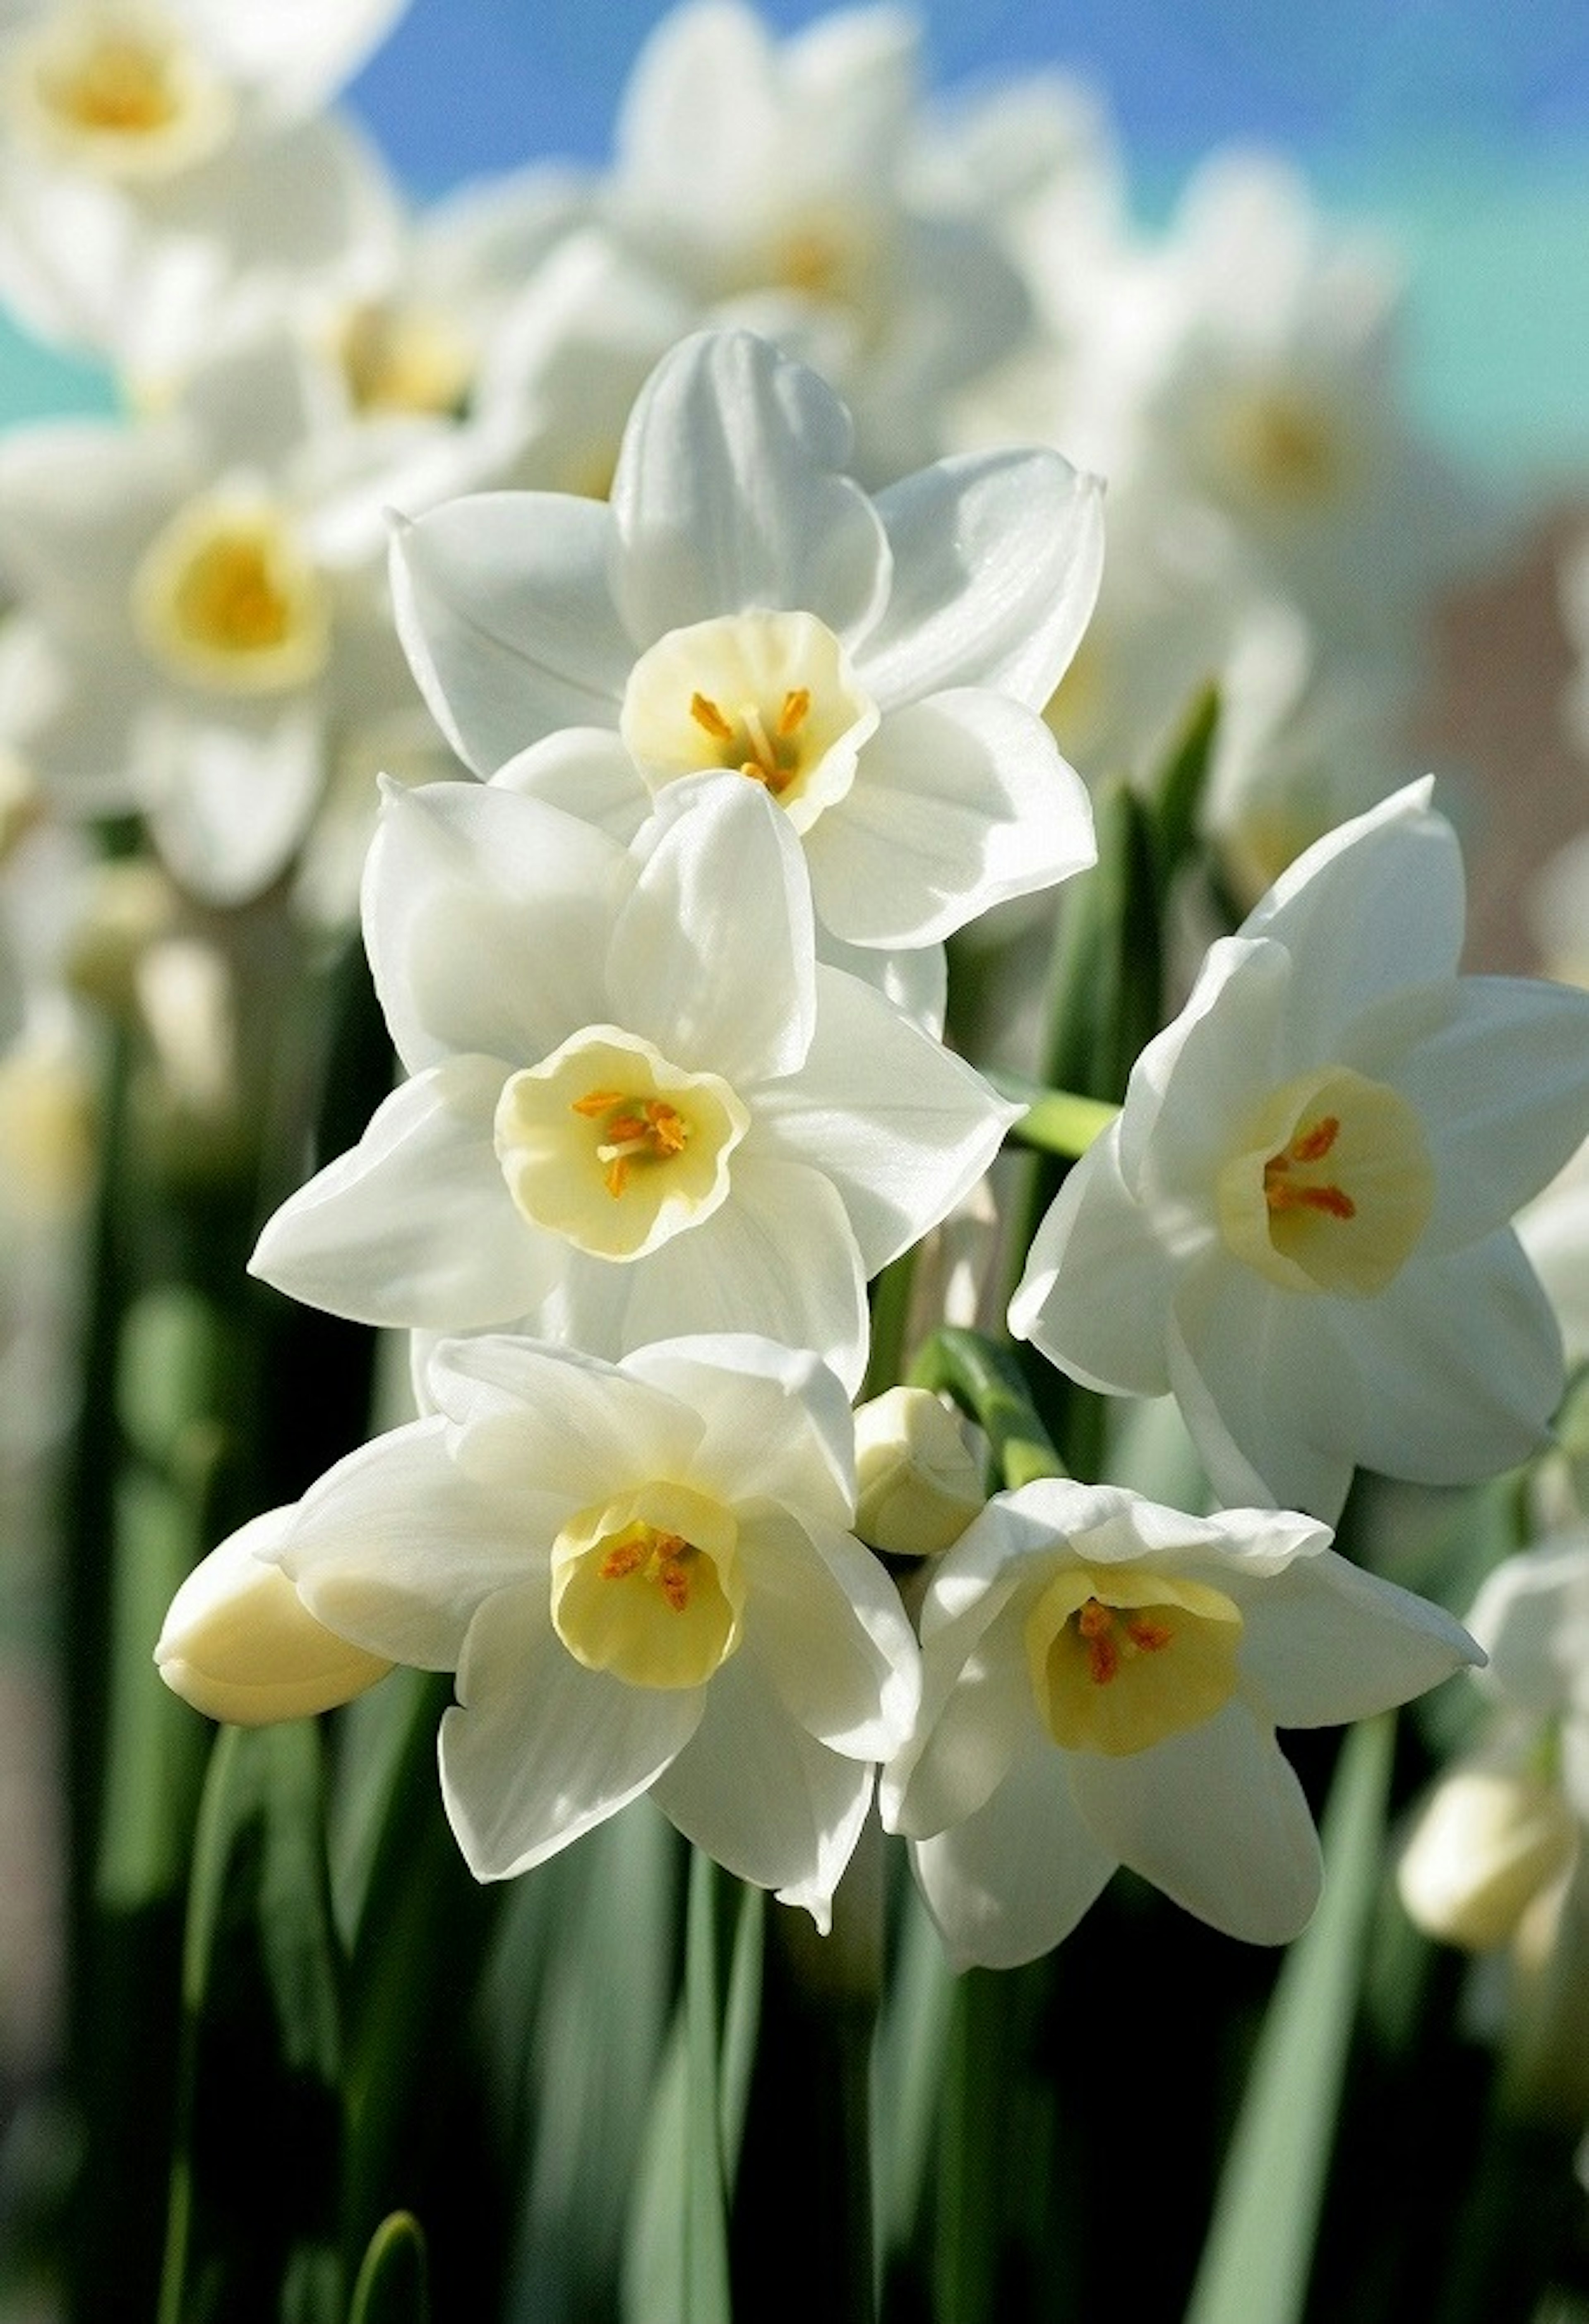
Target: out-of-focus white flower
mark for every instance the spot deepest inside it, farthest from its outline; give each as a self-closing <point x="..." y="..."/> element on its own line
<point x="919" y="1482"/>
<point x="240" y="1645"/>
<point x="877" y="668"/>
<point x="638" y="1105"/>
<point x="165" y="170"/>
<point x="1299" y="1221"/>
<point x="1554" y="1231"/>
<point x="1505" y="1825"/>
<point x="800" y="213"/>
<point x="646" y="1579"/>
<point x="1102" y="1679"/>
<point x="196" y="632"/>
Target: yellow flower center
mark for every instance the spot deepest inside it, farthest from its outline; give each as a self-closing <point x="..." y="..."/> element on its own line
<point x="406" y="360"/>
<point x="118" y="91"/>
<point x="1120" y="1658"/>
<point x="1331" y="1186"/>
<point x="1284" y="449"/>
<point x="771" y="695"/>
<point x="648" y="1587"/>
<point x="226" y="598"/>
<point x="609" y="1145"/>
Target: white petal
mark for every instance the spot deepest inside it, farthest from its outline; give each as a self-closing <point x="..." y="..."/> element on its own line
<point x="232" y="798"/>
<point x="1460" y="1365"/>
<point x="761" y="1796"/>
<point x="732" y="1273"/>
<point x="397" y="1548"/>
<point x="1216" y="1818"/>
<point x="80" y="500"/>
<point x="1374" y="905"/>
<point x="902" y="1126"/>
<point x="504" y="608"/>
<point x="915" y="982"/>
<point x="584" y="771"/>
<point x="996" y="562"/>
<point x="714" y="965"/>
<point x="830" y="1633"/>
<point x="959" y="803"/>
<point x="414" y="1225"/>
<point x="729" y="495"/>
<point x="541" y="1749"/>
<point x="1329" y="1643"/>
<point x="1014" y="1879"/>
<point x="1501" y="1086"/>
<point x="979" y="1716"/>
<point x="296" y="53"/>
<point x="776" y="1422"/>
<point x="1268" y="1383"/>
<point x="487" y="918"/>
<point x="1098" y="1284"/>
<point x="559" y="1420"/>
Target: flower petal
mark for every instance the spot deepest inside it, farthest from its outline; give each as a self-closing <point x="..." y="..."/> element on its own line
<point x="996" y="561"/>
<point x="540" y="1749"/>
<point x="1014" y="1879"/>
<point x="1501" y="1086"/>
<point x="1216" y="1818"/>
<point x="902" y="1126"/>
<point x="959" y="802"/>
<point x="1095" y="1294"/>
<point x="776" y="1424"/>
<point x="1374" y="905"/>
<point x="584" y="771"/>
<point x="1268" y="1383"/>
<point x="718" y="970"/>
<point x="487" y="917"/>
<point x="229" y="799"/>
<point x="557" y="1420"/>
<point x="414" y="1225"/>
<point x="729" y="495"/>
<point x="830" y="1633"/>
<point x="761" y="1796"/>
<point x="397" y="1548"/>
<point x="1329" y="1643"/>
<point x="504" y="612"/>
<point x="1460" y="1365"/>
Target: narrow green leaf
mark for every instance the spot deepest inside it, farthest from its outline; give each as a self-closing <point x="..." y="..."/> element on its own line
<point x="393" y="2283"/>
<point x="706" y="2231"/>
<point x="908" y="2073"/>
<point x="1255" y="2263"/>
<point x="1178" y="791"/>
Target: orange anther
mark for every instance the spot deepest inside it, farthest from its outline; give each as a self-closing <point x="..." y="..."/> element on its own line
<point x="705" y="713"/>
<point x="796" y="706"/>
<point x="598" y="1101"/>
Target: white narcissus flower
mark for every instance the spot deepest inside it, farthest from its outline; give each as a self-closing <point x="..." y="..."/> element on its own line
<point x="1299" y="1223"/>
<point x="876" y="667"/>
<point x="1102" y="1679"/>
<point x="638" y="1106"/>
<point x="165" y="170"/>
<point x="646" y="1580"/>
<point x="196" y="632"/>
<point x="803" y="214"/>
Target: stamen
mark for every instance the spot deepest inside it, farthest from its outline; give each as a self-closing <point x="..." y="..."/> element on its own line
<point x="1282" y="1193"/>
<point x="598" y="1101"/>
<point x="796" y="709"/>
<point x="657" y="1130"/>
<point x="705" y="713"/>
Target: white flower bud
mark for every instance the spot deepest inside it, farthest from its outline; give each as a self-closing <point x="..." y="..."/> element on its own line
<point x="1488" y="1842"/>
<point x="920" y="1486"/>
<point x="240" y="1645"/>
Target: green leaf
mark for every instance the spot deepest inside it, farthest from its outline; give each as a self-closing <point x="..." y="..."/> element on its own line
<point x="1177" y="793"/>
<point x="985" y="1381"/>
<point x="706" y="2226"/>
<point x="393" y="2285"/>
<point x="1255" y="2263"/>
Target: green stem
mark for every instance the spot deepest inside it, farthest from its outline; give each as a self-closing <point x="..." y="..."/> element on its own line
<point x="1056" y="1121"/>
<point x="985" y="1380"/>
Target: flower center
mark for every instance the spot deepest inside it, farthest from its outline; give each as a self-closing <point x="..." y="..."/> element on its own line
<point x="1284" y="449"/>
<point x="770" y="695"/>
<point x="404" y="359"/>
<point x="226" y="598"/>
<point x="1331" y="1187"/>
<point x="611" y="1147"/>
<point x="1120" y="1658"/>
<point x="648" y="1587"/>
<point x="121" y="93"/>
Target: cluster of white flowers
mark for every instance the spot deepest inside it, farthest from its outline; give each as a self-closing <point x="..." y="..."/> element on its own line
<point x="715" y="566"/>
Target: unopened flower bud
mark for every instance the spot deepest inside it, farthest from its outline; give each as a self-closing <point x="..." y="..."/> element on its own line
<point x="1489" y="1840"/>
<point x="240" y="1645"/>
<point x="919" y="1484"/>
